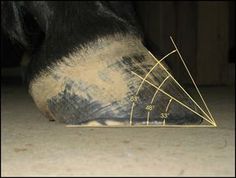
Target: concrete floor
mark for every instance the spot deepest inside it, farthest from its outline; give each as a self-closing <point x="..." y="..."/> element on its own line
<point x="32" y="146"/>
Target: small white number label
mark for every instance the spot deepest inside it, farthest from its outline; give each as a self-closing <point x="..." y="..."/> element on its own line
<point x="134" y="98"/>
<point x="150" y="107"/>
<point x="164" y="115"/>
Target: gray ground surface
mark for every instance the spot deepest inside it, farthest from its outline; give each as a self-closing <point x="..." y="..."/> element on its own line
<point x="32" y="146"/>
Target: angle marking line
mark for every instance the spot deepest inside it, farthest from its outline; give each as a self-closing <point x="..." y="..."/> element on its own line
<point x="174" y="99"/>
<point x="131" y="114"/>
<point x="153" y="68"/>
<point x="140" y="126"/>
<point x="154" y="96"/>
<point x="182" y="88"/>
<point x="168" y="104"/>
<point x="158" y="62"/>
<point x="159" y="88"/>
<point x="192" y="79"/>
<point x="148" y="115"/>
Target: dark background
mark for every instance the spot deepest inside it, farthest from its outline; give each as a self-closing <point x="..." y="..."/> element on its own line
<point x="204" y="32"/>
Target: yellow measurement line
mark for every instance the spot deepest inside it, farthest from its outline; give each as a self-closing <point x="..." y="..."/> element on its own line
<point x="183" y="89"/>
<point x="192" y="79"/>
<point x="174" y="99"/>
<point x="158" y="62"/>
<point x="154" y="96"/>
<point x="159" y="88"/>
<point x="148" y="115"/>
<point x="140" y="126"/>
<point x="131" y="114"/>
<point x="164" y="122"/>
<point x="168" y="104"/>
<point x="153" y="68"/>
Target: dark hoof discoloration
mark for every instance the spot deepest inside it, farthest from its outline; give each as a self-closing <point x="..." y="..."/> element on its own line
<point x="96" y="86"/>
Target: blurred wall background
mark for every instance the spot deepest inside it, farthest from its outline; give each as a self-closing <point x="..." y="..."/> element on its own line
<point x="204" y="32"/>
